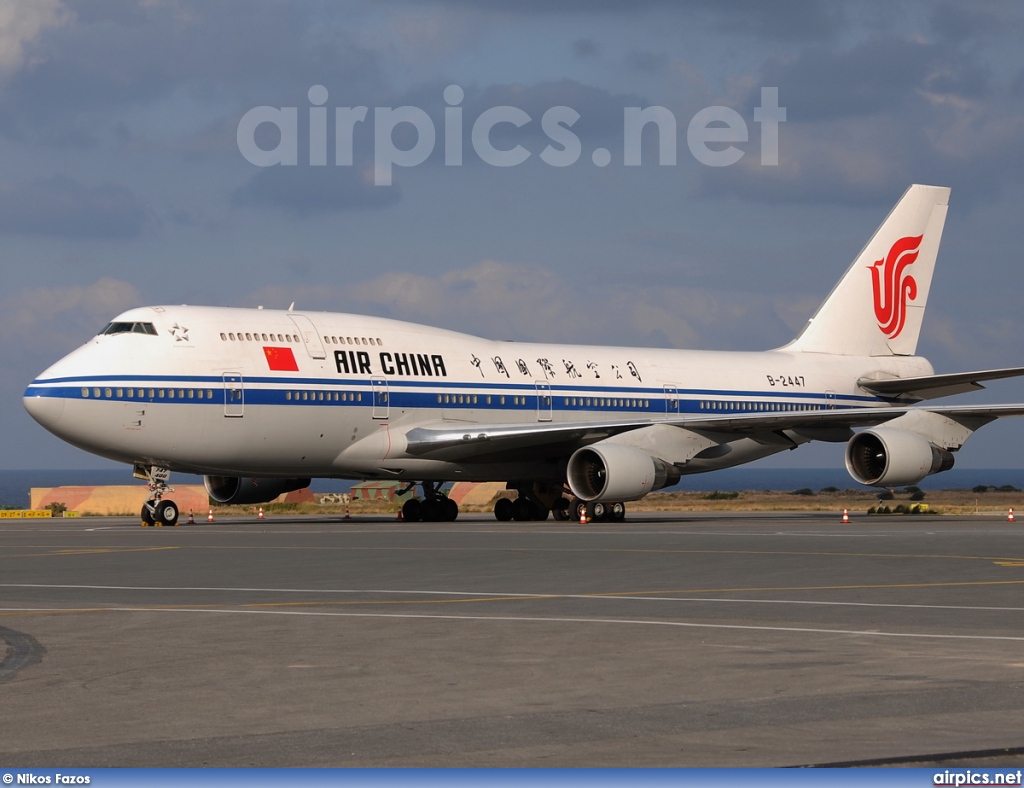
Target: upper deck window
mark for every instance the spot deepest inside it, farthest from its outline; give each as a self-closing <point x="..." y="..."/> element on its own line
<point x="129" y="328"/>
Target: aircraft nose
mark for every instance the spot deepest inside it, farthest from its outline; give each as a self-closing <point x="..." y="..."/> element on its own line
<point x="46" y="410"/>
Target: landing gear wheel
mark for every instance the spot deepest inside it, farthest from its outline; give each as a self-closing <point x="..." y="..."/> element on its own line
<point x="617" y="512"/>
<point x="540" y="513"/>
<point x="503" y="509"/>
<point x="560" y="511"/>
<point x="412" y="510"/>
<point x="166" y="513"/>
<point x="599" y="511"/>
<point x="522" y="510"/>
<point x="431" y="510"/>
<point x="146" y="516"/>
<point x="451" y="510"/>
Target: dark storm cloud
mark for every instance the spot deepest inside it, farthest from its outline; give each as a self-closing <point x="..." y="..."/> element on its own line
<point x="864" y="122"/>
<point x="62" y="207"/>
<point x="309" y="191"/>
<point x="585" y="47"/>
<point x="600" y="110"/>
<point x="958" y="22"/>
<point x="881" y="74"/>
<point x="784" y="20"/>
<point x="122" y="56"/>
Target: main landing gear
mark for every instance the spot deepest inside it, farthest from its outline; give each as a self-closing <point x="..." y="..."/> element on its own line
<point x="156" y="510"/>
<point x="600" y="511"/>
<point x="436" y="507"/>
<point x="535" y="500"/>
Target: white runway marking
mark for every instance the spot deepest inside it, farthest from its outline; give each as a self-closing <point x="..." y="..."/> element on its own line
<point x="516" y="595"/>
<point x="541" y="620"/>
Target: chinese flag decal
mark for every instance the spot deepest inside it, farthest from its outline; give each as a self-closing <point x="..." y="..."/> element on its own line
<point x="281" y="359"/>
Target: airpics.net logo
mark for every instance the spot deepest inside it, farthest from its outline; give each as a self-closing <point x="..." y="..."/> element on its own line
<point x="713" y="135"/>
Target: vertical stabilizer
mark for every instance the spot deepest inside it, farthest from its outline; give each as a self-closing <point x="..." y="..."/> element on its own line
<point x="878" y="305"/>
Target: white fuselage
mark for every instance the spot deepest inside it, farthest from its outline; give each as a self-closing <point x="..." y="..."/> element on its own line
<point x="272" y="393"/>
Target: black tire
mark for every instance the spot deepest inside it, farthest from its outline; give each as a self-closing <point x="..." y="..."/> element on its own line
<point x="598" y="511"/>
<point x="503" y="509"/>
<point x="432" y="510"/>
<point x="146" y="516"/>
<point x="538" y="512"/>
<point x="451" y="510"/>
<point x="166" y="513"/>
<point x="560" y="511"/>
<point x="617" y="512"/>
<point x="412" y="510"/>
<point x="522" y="510"/>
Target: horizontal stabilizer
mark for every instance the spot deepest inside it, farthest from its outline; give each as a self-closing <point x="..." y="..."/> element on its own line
<point x="933" y="386"/>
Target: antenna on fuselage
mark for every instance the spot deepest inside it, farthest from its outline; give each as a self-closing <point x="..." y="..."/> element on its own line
<point x="292" y="307"/>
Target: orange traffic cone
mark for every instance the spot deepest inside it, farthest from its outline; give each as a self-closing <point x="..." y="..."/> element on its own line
<point x="348" y="516"/>
<point x="209" y="518"/>
<point x="846" y="516"/>
<point x="191" y="518"/>
<point x="1009" y="517"/>
<point x="260" y="515"/>
<point x="399" y="514"/>
<point x="583" y="515"/>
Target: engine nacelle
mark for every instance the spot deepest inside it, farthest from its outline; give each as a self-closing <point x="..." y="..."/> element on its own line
<point x="245" y="489"/>
<point x="613" y="472"/>
<point x="887" y="457"/>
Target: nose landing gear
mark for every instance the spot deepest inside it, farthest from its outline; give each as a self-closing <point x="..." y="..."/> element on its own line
<point x="156" y="510"/>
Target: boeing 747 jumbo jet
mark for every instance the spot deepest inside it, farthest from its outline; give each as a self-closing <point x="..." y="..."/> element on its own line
<point x="259" y="401"/>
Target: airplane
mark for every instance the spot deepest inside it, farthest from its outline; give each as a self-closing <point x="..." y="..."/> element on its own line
<point x="260" y="401"/>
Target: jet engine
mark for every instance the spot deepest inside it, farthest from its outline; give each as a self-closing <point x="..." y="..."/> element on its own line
<point x="887" y="457"/>
<point x="613" y="472"/>
<point x="237" y="489"/>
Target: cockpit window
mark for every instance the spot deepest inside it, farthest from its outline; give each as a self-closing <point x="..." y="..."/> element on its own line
<point x="129" y="328"/>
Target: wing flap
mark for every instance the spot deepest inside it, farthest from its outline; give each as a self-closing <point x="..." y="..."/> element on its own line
<point x="455" y="441"/>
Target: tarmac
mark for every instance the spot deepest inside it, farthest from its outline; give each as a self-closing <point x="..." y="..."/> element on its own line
<point x="785" y="639"/>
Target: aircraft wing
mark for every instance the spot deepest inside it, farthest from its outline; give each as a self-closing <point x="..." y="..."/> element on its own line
<point x="459" y="440"/>
<point x="932" y="386"/>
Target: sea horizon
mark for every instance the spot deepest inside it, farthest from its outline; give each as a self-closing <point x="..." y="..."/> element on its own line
<point x="16" y="484"/>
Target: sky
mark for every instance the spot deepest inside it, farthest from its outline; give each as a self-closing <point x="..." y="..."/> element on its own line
<point x="131" y="171"/>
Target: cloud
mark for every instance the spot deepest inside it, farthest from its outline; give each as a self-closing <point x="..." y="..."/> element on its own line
<point x="42" y="324"/>
<point x="21" y="24"/>
<point x="308" y="191"/>
<point x="881" y="74"/>
<point x="585" y="48"/>
<point x="864" y="122"/>
<point x="63" y="207"/>
<point x="524" y="302"/>
<point x="197" y="60"/>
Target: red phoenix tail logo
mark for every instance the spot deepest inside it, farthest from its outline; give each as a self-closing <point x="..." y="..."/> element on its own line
<point x="893" y="287"/>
